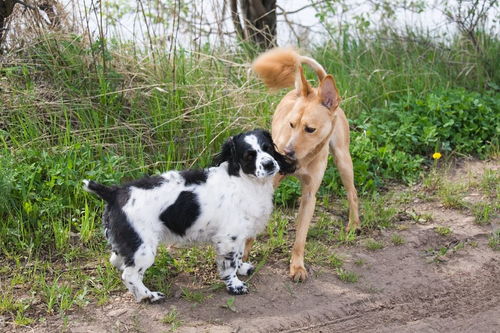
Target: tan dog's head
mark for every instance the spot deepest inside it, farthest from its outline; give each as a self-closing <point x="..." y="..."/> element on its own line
<point x="307" y="127"/>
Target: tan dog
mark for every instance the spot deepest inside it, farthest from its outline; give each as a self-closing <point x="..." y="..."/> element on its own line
<point x="307" y="124"/>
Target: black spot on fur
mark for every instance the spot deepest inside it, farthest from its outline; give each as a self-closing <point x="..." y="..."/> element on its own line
<point x="182" y="213"/>
<point x="122" y="196"/>
<point x="229" y="256"/>
<point x="146" y="183"/>
<point x="234" y="238"/>
<point x="122" y="237"/>
<point x="197" y="177"/>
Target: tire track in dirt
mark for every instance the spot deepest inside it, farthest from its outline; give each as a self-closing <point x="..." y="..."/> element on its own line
<point x="456" y="301"/>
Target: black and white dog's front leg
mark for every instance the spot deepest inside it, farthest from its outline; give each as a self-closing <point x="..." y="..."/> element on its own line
<point x="244" y="268"/>
<point x="229" y="263"/>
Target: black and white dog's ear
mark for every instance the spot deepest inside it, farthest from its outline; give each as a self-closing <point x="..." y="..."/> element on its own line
<point x="286" y="164"/>
<point x="228" y="154"/>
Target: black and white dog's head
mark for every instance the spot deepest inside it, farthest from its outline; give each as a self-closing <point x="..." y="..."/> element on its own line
<point x="253" y="153"/>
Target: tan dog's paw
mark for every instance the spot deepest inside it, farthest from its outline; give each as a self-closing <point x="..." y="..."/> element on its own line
<point x="298" y="273"/>
<point x="353" y="227"/>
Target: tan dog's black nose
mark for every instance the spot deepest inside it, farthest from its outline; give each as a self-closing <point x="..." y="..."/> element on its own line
<point x="290" y="152"/>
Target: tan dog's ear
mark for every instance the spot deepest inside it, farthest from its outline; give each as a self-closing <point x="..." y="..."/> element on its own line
<point x="328" y="93"/>
<point x="301" y="84"/>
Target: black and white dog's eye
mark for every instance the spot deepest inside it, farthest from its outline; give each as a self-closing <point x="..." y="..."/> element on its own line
<point x="309" y="129"/>
<point x="266" y="147"/>
<point x="249" y="155"/>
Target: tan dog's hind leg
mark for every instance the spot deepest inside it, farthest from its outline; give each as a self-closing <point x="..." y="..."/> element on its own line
<point x="343" y="162"/>
<point x="339" y="147"/>
<point x="310" y="181"/>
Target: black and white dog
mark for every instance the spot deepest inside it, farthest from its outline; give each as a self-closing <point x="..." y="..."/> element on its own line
<point x="222" y="205"/>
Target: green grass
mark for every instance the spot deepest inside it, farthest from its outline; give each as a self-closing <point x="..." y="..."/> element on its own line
<point x="483" y="212"/>
<point x="230" y="304"/>
<point x="443" y="231"/>
<point x="172" y="319"/>
<point x="359" y="262"/>
<point x="193" y="295"/>
<point x="397" y="239"/>
<point x="372" y="245"/>
<point x="451" y="195"/>
<point x="494" y="241"/>
<point x="346" y="276"/>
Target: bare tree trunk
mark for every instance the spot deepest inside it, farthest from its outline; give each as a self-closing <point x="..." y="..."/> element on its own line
<point x="259" y="21"/>
<point x="6" y="8"/>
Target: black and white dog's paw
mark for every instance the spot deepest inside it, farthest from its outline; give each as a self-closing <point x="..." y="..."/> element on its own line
<point x="246" y="269"/>
<point x="156" y="296"/>
<point x="238" y="289"/>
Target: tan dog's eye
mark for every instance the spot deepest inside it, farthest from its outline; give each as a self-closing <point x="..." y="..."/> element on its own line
<point x="292" y="126"/>
<point x="309" y="129"/>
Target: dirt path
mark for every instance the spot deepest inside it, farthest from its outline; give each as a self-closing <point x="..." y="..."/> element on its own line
<point x="406" y="288"/>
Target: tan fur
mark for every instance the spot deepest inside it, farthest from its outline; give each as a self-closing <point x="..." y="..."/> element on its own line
<point x="302" y="109"/>
<point x="278" y="67"/>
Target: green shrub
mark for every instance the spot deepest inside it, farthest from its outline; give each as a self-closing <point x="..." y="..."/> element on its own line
<point x="449" y="120"/>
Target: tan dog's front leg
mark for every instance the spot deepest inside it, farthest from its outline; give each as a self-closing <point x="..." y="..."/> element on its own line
<point x="306" y="210"/>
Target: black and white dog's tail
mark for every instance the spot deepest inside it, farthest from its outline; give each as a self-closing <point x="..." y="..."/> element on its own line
<point x="105" y="192"/>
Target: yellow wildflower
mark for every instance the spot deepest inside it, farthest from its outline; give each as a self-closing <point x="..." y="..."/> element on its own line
<point x="436" y="156"/>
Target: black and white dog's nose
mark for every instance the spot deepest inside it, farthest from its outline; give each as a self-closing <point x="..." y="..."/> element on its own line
<point x="268" y="166"/>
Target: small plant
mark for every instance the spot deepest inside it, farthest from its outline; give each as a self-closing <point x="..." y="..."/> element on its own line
<point x="346" y="237"/>
<point x="443" y="231"/>
<point x="494" y="240"/>
<point x="172" y="319"/>
<point x="346" y="276"/>
<point x="373" y="245"/>
<point x="230" y="304"/>
<point x="334" y="261"/>
<point x="451" y="195"/>
<point x="193" y="296"/>
<point x="420" y="218"/>
<point x="490" y="183"/>
<point x="359" y="262"/>
<point x="397" y="239"/>
<point x="377" y="213"/>
<point x="482" y="213"/>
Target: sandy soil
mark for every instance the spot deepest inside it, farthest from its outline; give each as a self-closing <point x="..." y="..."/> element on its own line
<point x="400" y="289"/>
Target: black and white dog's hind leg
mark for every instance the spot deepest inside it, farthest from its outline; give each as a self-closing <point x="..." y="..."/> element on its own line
<point x="133" y="274"/>
<point x="229" y="255"/>
<point x="117" y="260"/>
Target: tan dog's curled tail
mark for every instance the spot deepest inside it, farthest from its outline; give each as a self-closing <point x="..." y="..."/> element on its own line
<point x="279" y="68"/>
